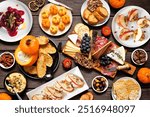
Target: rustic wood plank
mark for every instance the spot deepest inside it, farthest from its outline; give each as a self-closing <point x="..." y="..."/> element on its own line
<point x="104" y="96"/>
<point x="36" y="31"/>
<point x="88" y="74"/>
<point x="76" y="5"/>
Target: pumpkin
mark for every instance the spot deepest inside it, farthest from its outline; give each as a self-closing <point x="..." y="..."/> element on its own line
<point x="5" y="96"/>
<point x="24" y="59"/>
<point x="144" y="75"/>
<point x="29" y="45"/>
<point x="117" y="3"/>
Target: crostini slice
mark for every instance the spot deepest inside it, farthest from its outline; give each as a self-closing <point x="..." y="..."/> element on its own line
<point x="66" y="85"/>
<point x="77" y="81"/>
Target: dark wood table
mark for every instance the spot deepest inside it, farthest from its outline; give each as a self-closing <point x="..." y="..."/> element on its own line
<point x="88" y="74"/>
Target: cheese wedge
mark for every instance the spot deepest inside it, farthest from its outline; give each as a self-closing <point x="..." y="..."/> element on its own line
<point x="118" y="55"/>
<point x="73" y="38"/>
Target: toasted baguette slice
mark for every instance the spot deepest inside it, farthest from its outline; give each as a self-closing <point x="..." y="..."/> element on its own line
<point x="43" y="40"/>
<point x="41" y="66"/>
<point x="76" y="80"/>
<point x="66" y="85"/>
<point x="102" y="11"/>
<point x="48" y="60"/>
<point x="55" y="92"/>
<point x="31" y="70"/>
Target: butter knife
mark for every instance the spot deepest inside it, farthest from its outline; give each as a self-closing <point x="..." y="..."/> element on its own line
<point x="121" y="67"/>
<point x="60" y="4"/>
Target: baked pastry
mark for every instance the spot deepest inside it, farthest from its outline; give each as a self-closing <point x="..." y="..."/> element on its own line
<point x="98" y="16"/>
<point x="102" y="11"/>
<point x="53" y="29"/>
<point x="56" y="19"/>
<point x="62" y="11"/>
<point x="61" y="26"/>
<point x="46" y="23"/>
<point x="53" y="10"/>
<point x="92" y="19"/>
<point x="66" y="19"/>
<point x="45" y="14"/>
<point x="86" y="14"/>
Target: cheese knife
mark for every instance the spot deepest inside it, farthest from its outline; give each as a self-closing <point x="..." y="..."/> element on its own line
<point x="60" y="4"/>
<point x="121" y="67"/>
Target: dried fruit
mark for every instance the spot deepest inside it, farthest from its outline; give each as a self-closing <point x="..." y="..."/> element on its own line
<point x="39" y="3"/>
<point x="33" y="6"/>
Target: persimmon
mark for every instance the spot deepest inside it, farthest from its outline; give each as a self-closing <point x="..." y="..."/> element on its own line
<point x="144" y="75"/>
<point x="5" y="96"/>
<point x="117" y="3"/>
<point x="29" y="45"/>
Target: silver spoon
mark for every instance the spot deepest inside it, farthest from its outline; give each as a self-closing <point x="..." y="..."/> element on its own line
<point x="9" y="84"/>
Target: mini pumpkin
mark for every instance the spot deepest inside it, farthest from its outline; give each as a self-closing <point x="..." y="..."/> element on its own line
<point x="66" y="19"/>
<point x="117" y="3"/>
<point x="144" y="75"/>
<point x="53" y="10"/>
<point x="29" y="45"/>
<point x="46" y="23"/>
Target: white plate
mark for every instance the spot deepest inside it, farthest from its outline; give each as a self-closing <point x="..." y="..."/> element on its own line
<point x="105" y="4"/>
<point x="46" y="7"/>
<point x="27" y="19"/>
<point x="126" y="78"/>
<point x="77" y="91"/>
<point x="115" y="28"/>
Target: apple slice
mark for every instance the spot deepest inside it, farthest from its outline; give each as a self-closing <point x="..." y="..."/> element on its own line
<point x="138" y="34"/>
<point x="132" y="15"/>
<point x="122" y="21"/>
<point x="77" y="81"/>
<point x="125" y="35"/>
<point x="143" y="22"/>
<point x="65" y="85"/>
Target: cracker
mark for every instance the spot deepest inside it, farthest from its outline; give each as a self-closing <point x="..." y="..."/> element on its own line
<point x="77" y="27"/>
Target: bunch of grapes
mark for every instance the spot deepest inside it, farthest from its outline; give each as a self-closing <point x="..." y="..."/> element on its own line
<point x="85" y="44"/>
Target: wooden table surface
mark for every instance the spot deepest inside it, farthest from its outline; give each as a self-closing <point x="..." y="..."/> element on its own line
<point x="88" y="74"/>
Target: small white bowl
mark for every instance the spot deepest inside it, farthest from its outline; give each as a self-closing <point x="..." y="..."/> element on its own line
<point x="106" y="81"/>
<point x="1" y="65"/>
<point x="143" y="51"/>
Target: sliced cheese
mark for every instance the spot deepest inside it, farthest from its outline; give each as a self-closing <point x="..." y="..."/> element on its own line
<point x="70" y="44"/>
<point x="73" y="38"/>
<point x="118" y="55"/>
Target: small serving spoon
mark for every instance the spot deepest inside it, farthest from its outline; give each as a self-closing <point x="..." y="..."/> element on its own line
<point x="9" y="84"/>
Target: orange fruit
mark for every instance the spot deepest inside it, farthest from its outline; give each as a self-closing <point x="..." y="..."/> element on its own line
<point x="117" y="3"/>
